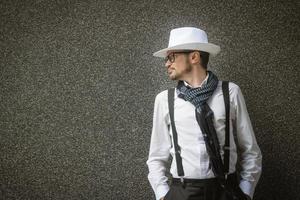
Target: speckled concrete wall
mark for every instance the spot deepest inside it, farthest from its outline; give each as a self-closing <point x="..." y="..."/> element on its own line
<point x="78" y="82"/>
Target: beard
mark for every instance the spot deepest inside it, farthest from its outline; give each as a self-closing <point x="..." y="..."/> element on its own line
<point x="177" y="75"/>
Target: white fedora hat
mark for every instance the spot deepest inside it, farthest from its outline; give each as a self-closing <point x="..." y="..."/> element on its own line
<point x="188" y="38"/>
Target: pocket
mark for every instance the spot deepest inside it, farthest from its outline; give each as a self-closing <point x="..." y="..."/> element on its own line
<point x="177" y="192"/>
<point x="168" y="193"/>
<point x="244" y="196"/>
<point x="240" y="194"/>
<point x="231" y="193"/>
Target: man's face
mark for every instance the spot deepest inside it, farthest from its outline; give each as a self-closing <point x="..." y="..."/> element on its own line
<point x="178" y="65"/>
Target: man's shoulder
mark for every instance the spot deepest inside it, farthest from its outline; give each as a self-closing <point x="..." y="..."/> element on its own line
<point x="233" y="87"/>
<point x="162" y="95"/>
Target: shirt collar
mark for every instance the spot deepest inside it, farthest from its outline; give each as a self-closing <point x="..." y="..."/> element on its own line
<point x="203" y="82"/>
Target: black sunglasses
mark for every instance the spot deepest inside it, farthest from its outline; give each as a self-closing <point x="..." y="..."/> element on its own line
<point x="171" y="56"/>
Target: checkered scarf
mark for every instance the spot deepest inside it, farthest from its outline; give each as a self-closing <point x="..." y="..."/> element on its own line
<point x="198" y="96"/>
<point x="204" y="115"/>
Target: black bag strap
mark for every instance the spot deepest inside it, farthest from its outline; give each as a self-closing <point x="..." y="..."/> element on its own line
<point x="225" y="89"/>
<point x="178" y="158"/>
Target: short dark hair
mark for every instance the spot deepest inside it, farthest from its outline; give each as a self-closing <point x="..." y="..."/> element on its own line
<point x="204" y="58"/>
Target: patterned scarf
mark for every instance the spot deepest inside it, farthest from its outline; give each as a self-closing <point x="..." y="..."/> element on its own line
<point x="198" y="96"/>
<point x="204" y="115"/>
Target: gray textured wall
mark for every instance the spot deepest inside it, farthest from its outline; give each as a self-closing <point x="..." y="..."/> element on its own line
<point x="78" y="83"/>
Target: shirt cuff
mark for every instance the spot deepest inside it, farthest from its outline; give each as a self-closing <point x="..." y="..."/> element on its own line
<point x="247" y="188"/>
<point x="161" y="191"/>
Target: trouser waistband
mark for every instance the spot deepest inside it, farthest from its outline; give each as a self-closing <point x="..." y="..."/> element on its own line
<point x="195" y="182"/>
<point x="201" y="182"/>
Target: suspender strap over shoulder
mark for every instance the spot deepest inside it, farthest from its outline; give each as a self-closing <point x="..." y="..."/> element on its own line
<point x="178" y="158"/>
<point x="225" y="88"/>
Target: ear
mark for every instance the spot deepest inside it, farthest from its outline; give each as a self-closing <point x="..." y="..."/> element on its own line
<point x="195" y="57"/>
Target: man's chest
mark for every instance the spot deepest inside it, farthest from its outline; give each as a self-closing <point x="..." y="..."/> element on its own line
<point x="185" y="118"/>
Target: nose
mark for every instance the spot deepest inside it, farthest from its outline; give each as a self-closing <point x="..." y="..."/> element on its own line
<point x="168" y="64"/>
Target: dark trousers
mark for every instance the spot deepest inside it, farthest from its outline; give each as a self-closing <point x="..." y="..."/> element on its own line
<point x="193" y="189"/>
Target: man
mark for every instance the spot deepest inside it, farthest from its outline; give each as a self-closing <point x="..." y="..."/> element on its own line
<point x="186" y="59"/>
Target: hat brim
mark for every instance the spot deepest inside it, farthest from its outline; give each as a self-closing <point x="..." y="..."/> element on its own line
<point x="212" y="49"/>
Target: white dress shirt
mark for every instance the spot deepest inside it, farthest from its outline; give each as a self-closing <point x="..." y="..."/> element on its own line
<point x="195" y="159"/>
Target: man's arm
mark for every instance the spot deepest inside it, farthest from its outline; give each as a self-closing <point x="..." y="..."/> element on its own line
<point x="159" y="148"/>
<point x="251" y="158"/>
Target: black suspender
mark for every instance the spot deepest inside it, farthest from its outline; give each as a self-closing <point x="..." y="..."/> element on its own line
<point x="176" y="146"/>
<point x="225" y="89"/>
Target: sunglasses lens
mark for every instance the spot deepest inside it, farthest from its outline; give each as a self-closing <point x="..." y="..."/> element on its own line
<point x="166" y="59"/>
<point x="171" y="57"/>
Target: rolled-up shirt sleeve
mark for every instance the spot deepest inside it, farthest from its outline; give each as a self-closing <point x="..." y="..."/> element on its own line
<point x="159" y="151"/>
<point x="250" y="154"/>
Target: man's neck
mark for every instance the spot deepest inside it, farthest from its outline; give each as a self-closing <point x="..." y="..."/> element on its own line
<point x="196" y="79"/>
